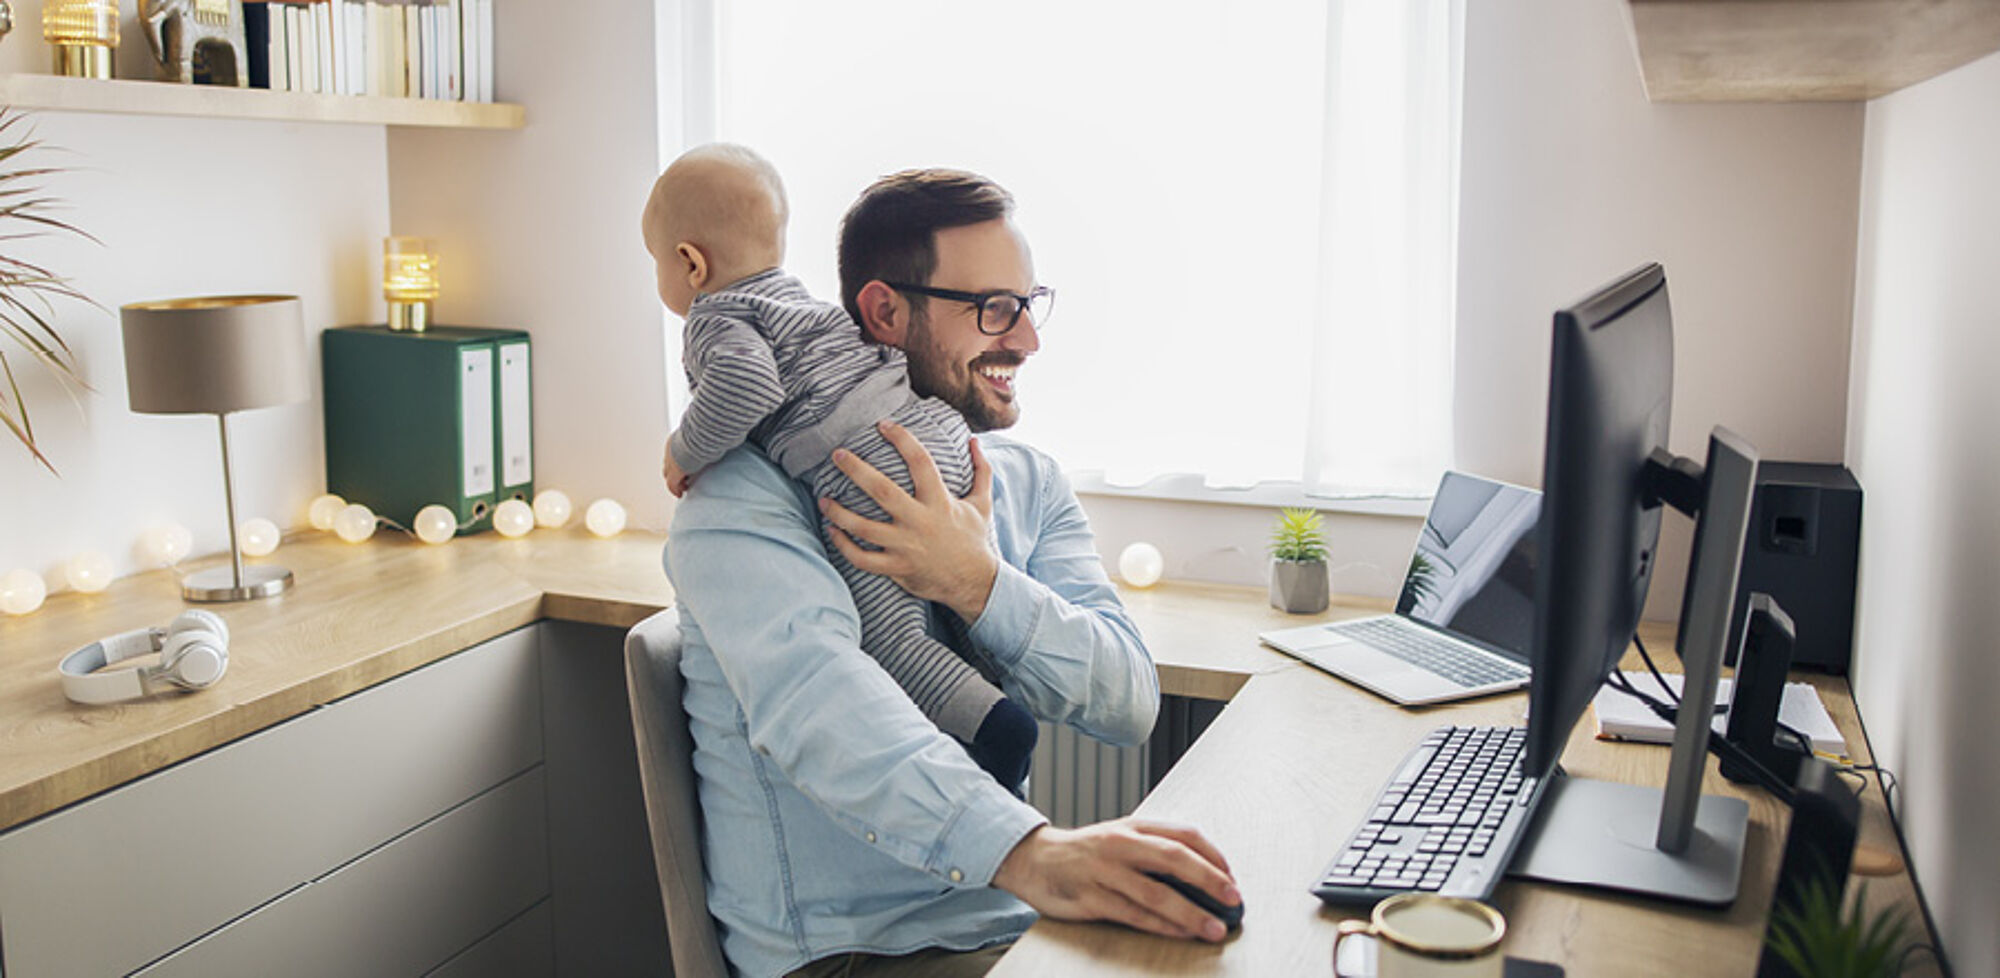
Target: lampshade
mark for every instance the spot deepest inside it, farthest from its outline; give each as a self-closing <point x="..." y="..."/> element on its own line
<point x="215" y="354"/>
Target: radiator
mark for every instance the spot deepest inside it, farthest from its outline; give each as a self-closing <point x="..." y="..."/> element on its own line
<point x="1076" y="780"/>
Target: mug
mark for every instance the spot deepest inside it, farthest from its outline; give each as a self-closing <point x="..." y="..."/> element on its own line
<point x="1423" y="935"/>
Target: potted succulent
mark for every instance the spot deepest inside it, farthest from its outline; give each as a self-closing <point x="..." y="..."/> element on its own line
<point x="1298" y="562"/>
<point x="26" y="288"/>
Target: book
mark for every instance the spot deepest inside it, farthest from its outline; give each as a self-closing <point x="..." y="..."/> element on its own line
<point x="1621" y="717"/>
<point x="257" y="42"/>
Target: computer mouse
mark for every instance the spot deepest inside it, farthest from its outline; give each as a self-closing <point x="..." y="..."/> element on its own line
<point x="1231" y="917"/>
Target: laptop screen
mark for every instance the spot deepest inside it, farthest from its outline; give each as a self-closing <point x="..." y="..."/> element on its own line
<point x="1473" y="573"/>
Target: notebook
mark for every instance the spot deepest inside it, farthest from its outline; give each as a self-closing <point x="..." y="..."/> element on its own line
<point x="1620" y="717"/>
<point x="1465" y="619"/>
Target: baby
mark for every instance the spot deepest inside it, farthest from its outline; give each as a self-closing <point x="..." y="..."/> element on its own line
<point x="769" y="364"/>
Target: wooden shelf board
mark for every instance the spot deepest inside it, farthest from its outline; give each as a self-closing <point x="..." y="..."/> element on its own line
<point x="1804" y="50"/>
<point x="165" y="98"/>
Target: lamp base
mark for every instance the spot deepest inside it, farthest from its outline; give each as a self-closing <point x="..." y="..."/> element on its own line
<point x="409" y="317"/>
<point x="219" y="584"/>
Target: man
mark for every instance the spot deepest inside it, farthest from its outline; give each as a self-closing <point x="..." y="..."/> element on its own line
<point x="843" y="833"/>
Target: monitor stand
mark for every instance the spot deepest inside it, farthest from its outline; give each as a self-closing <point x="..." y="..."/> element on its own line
<point x="1602" y="833"/>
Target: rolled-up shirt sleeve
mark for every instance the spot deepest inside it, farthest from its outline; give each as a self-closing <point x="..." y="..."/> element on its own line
<point x="748" y="568"/>
<point x="1054" y="625"/>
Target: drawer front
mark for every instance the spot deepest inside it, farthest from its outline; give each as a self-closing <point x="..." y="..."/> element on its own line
<point x="400" y="910"/>
<point x="116" y="881"/>
<point x="525" y="948"/>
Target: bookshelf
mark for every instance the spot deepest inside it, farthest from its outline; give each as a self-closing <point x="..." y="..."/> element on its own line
<point x="32" y="91"/>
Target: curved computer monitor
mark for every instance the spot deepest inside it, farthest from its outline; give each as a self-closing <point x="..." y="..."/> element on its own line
<point x="1611" y="380"/>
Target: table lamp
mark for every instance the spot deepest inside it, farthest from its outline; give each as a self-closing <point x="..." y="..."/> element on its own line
<point x="409" y="282"/>
<point x="215" y="355"/>
<point x="81" y="34"/>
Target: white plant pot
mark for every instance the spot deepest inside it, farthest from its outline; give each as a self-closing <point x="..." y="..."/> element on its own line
<point x="1299" y="586"/>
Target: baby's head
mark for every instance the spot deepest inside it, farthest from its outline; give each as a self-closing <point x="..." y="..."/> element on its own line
<point x="717" y="215"/>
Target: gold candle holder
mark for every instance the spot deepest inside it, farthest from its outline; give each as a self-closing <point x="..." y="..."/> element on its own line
<point x="81" y="35"/>
<point x="409" y="282"/>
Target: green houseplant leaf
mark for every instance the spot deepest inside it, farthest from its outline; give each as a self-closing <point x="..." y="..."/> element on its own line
<point x="1298" y="536"/>
<point x="27" y="290"/>
<point x="1818" y="939"/>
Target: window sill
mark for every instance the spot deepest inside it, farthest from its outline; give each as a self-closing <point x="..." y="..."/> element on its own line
<point x="1267" y="495"/>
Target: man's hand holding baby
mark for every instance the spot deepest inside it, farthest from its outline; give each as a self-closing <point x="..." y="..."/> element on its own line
<point x="934" y="545"/>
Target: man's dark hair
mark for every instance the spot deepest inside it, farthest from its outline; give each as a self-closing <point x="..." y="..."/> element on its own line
<point x="890" y="232"/>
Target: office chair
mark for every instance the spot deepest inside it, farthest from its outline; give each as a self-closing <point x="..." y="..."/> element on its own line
<point x="666" y="775"/>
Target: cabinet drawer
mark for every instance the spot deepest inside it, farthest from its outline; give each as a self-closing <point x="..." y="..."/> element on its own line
<point x="400" y="910"/>
<point x="116" y="881"/>
<point x="525" y="948"/>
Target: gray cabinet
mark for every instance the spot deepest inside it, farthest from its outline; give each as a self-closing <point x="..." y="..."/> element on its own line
<point x="401" y="826"/>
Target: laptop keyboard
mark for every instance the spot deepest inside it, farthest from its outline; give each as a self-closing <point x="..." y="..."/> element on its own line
<point x="1424" y="650"/>
<point x="1446" y="822"/>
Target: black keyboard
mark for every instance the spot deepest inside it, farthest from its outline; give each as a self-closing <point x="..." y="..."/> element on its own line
<point x="1447" y="822"/>
<point x="1426" y="651"/>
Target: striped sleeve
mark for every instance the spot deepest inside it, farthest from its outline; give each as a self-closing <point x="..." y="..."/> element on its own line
<point x="734" y="386"/>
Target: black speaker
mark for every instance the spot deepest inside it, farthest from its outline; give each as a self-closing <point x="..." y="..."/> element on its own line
<point x="1803" y="549"/>
<point x="1819" y="850"/>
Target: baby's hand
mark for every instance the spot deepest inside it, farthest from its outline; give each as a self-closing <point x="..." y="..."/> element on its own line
<point x="677" y="481"/>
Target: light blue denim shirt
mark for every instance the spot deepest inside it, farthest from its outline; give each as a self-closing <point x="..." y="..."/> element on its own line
<point x="836" y="817"/>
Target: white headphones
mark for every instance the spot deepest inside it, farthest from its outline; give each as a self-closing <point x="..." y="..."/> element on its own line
<point x="194" y="653"/>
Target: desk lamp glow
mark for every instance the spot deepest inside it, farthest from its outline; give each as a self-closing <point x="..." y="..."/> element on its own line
<point x="215" y="355"/>
<point x="409" y="282"/>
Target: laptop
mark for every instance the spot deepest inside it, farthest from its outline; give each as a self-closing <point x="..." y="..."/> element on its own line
<point x="1465" y="619"/>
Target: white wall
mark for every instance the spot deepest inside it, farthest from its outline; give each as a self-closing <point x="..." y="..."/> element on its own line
<point x="540" y="231"/>
<point x="1570" y="177"/>
<point x="1922" y="404"/>
<point x="184" y="207"/>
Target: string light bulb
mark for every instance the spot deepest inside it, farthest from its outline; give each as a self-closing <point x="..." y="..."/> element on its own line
<point x="22" y="591"/>
<point x="355" y="523"/>
<point x="88" y="572"/>
<point x="1141" y="565"/>
<point x="258" y="537"/>
<point x="164" y="544"/>
<point x="435" y="524"/>
<point x="513" y="518"/>
<point x="323" y="509"/>
<point x="605" y="518"/>
<point x="552" y="508"/>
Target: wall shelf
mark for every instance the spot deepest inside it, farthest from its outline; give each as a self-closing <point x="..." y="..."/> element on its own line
<point x="32" y="91"/>
<point x="1804" y="50"/>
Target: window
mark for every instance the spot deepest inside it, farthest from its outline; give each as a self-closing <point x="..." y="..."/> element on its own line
<point x="1247" y="209"/>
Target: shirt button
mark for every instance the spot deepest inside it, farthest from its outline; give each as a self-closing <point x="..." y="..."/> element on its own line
<point x="871" y="838"/>
<point x="957" y="877"/>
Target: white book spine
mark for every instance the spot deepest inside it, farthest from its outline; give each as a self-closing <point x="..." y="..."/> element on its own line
<point x="485" y="50"/>
<point x="295" y="48"/>
<point x="453" y="61"/>
<point x="332" y="15"/>
<point x="413" y="53"/>
<point x="279" y="62"/>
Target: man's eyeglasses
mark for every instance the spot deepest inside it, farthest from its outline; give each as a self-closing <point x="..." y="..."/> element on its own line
<point x="998" y="310"/>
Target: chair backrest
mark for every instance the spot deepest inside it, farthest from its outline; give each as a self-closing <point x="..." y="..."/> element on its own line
<point x="673" y="810"/>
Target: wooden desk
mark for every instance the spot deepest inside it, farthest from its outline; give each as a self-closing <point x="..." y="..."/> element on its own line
<point x="1277" y="781"/>
<point x="362" y="614"/>
<point x="1289" y="769"/>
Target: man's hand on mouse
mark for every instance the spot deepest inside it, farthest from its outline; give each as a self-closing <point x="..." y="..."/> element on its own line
<point x="1098" y="872"/>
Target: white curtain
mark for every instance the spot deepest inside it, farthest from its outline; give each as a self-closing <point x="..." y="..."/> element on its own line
<point x="1246" y="209"/>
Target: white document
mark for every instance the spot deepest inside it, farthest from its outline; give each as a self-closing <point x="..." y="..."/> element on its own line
<point x="1621" y="717"/>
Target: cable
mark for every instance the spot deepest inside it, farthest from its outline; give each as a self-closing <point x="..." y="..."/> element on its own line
<point x="1719" y="746"/>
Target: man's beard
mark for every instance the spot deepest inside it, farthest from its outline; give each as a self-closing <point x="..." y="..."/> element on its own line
<point x="934" y="374"/>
